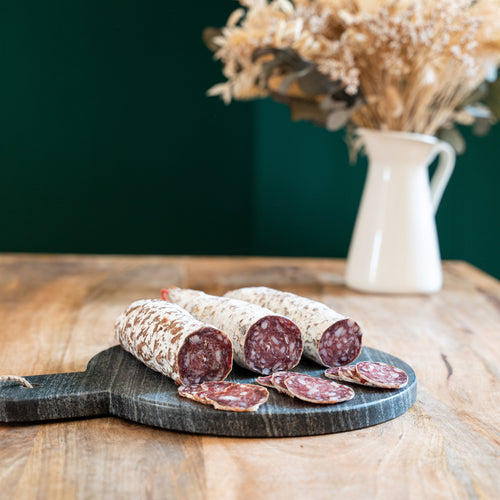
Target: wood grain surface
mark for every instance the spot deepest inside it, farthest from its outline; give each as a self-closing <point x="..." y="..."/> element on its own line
<point x="56" y="312"/>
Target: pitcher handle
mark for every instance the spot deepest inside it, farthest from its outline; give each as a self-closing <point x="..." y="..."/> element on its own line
<point x="443" y="172"/>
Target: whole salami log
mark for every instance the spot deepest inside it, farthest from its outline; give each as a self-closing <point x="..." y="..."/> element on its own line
<point x="263" y="341"/>
<point x="330" y="338"/>
<point x="169" y="340"/>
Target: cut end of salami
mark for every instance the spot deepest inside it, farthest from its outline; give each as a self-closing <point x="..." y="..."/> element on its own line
<point x="273" y="343"/>
<point x="229" y="396"/>
<point x="341" y="343"/>
<point x="166" y="338"/>
<point x="317" y="390"/>
<point x="205" y="355"/>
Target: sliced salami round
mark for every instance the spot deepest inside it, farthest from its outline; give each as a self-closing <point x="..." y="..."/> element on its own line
<point x="166" y="338"/>
<point x="240" y="397"/>
<point x="330" y="338"/>
<point x="229" y="396"/>
<point x="317" y="390"/>
<point x="348" y="370"/>
<point x="196" y="392"/>
<point x="262" y="341"/>
<point x="342" y="373"/>
<point x="278" y="380"/>
<point x="266" y="381"/>
<point x="381" y="375"/>
<point x="348" y="373"/>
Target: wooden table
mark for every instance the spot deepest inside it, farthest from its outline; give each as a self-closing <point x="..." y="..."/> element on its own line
<point x="58" y="311"/>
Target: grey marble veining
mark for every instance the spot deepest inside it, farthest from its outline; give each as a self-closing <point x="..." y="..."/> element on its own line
<point x="115" y="383"/>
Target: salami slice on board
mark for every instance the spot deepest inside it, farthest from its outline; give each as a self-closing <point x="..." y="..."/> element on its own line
<point x="342" y="373"/>
<point x="166" y="338"/>
<point x="381" y="374"/>
<point x="196" y="392"/>
<point x="263" y="341"/>
<point x="317" y="390"/>
<point x="229" y="396"/>
<point x="330" y="338"/>
<point x="308" y="388"/>
<point x="278" y="380"/>
<point x="266" y="381"/>
<point x="346" y="374"/>
<point x="370" y="373"/>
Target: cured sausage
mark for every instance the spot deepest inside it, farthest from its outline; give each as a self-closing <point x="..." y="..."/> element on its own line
<point x="370" y="373"/>
<point x="199" y="392"/>
<point x="343" y="373"/>
<point x="381" y="374"/>
<point x="229" y="396"/>
<point x="317" y="390"/>
<point x="330" y="338"/>
<point x="166" y="338"/>
<point x="307" y="388"/>
<point x="278" y="381"/>
<point x="263" y="341"/>
<point x="266" y="381"/>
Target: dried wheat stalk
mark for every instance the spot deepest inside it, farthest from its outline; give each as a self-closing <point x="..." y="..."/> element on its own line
<point x="413" y="61"/>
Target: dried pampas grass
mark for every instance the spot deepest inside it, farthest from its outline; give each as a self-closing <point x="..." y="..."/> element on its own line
<point x="400" y="64"/>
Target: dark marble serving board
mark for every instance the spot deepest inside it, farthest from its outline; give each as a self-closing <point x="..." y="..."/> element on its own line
<point x="115" y="383"/>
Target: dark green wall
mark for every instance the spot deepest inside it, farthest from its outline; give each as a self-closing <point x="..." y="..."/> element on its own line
<point x="107" y="140"/>
<point x="108" y="144"/>
<point x="307" y="193"/>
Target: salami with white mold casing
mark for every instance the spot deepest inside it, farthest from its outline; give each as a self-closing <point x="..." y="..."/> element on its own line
<point x="330" y="338"/>
<point x="263" y="341"/>
<point x="166" y="338"/>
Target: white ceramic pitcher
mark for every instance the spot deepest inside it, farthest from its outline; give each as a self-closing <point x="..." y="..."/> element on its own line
<point x="394" y="247"/>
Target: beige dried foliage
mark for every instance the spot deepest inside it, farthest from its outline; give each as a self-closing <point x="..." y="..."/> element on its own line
<point x="414" y="61"/>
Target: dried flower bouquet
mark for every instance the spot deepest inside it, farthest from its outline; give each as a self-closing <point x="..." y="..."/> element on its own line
<point x="416" y="66"/>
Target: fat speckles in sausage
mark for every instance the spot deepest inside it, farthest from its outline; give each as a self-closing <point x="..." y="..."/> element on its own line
<point x="262" y="340"/>
<point x="169" y="340"/>
<point x="329" y="338"/>
<point x="229" y="396"/>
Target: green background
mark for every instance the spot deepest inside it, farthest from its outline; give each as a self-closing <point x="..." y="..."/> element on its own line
<point x="109" y="144"/>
